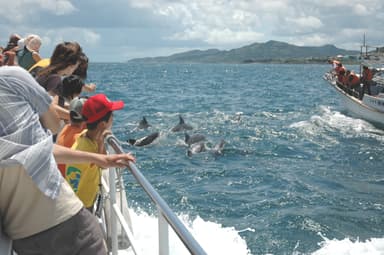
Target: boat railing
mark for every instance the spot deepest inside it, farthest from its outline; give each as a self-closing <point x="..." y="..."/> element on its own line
<point x="166" y="217"/>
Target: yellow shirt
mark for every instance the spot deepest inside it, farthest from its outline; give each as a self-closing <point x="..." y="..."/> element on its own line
<point x="84" y="178"/>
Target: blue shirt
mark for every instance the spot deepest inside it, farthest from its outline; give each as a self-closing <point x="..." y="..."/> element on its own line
<point x="22" y="137"/>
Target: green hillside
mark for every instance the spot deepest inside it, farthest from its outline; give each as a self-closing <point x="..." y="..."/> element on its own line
<point x="271" y="51"/>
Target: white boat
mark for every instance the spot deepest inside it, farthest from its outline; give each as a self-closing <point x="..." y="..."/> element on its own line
<point x="369" y="107"/>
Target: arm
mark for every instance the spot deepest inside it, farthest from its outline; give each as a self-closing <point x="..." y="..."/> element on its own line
<point x="50" y="120"/>
<point x="65" y="155"/>
<point x="62" y="113"/>
<point x="90" y="87"/>
<point x="36" y="56"/>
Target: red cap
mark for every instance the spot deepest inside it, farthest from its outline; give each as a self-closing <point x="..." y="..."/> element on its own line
<point x="97" y="106"/>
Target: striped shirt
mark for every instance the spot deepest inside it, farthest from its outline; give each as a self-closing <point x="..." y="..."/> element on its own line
<point x="22" y="137"/>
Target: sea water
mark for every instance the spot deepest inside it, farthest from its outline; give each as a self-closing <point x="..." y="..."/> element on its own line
<point x="298" y="174"/>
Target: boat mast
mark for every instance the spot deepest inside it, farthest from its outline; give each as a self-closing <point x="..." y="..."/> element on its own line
<point x="362" y="54"/>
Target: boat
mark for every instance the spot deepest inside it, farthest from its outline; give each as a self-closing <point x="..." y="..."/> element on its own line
<point x="360" y="104"/>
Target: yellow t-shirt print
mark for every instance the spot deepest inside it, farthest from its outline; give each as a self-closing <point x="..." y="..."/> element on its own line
<point x="84" y="178"/>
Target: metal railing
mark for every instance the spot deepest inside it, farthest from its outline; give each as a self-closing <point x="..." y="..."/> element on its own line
<point x="166" y="217"/>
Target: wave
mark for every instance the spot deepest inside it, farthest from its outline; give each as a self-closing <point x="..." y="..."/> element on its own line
<point x="217" y="239"/>
<point x="372" y="246"/>
<point x="329" y="121"/>
<point x="213" y="237"/>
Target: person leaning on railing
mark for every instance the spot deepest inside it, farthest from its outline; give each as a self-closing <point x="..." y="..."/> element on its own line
<point x="85" y="178"/>
<point x="38" y="209"/>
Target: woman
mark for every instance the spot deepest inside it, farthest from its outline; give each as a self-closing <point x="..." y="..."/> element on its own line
<point x="64" y="61"/>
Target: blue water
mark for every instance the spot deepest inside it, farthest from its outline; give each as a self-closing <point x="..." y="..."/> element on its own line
<point x="295" y="168"/>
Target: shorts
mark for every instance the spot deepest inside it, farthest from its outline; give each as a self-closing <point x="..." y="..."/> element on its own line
<point x="80" y="234"/>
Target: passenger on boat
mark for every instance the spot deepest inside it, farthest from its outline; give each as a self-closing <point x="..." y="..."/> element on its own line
<point x="353" y="81"/>
<point x="366" y="79"/>
<point x="71" y="131"/>
<point x="85" y="178"/>
<point x="72" y="86"/>
<point x="29" y="55"/>
<point x="52" y="220"/>
<point x="24" y="41"/>
<point x="341" y="75"/>
<point x="9" y="52"/>
<point x="63" y="62"/>
<point x="334" y="62"/>
<point x="340" y="72"/>
<point x="81" y="71"/>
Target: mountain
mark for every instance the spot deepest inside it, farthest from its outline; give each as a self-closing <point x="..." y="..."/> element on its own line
<point x="271" y="51"/>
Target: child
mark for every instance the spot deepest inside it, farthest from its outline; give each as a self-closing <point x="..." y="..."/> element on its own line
<point x="71" y="131"/>
<point x="85" y="178"/>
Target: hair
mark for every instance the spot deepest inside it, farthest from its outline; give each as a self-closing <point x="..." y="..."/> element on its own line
<point x="12" y="43"/>
<point x="71" y="86"/>
<point x="34" y="43"/>
<point x="93" y="125"/>
<point x="73" y="116"/>
<point x="64" y="55"/>
<point x="81" y="70"/>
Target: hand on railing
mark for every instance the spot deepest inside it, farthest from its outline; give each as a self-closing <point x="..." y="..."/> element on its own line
<point x="115" y="160"/>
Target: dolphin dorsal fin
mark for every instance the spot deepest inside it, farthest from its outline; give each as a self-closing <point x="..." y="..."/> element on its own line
<point x="181" y="120"/>
<point x="186" y="137"/>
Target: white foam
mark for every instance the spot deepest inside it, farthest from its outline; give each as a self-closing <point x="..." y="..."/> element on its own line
<point x="334" y="120"/>
<point x="373" y="246"/>
<point x="213" y="237"/>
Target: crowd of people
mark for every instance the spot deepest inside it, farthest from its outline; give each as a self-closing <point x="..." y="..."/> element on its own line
<point x="350" y="81"/>
<point x="51" y="149"/>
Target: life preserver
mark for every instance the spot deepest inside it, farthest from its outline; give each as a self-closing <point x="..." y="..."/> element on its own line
<point x="353" y="80"/>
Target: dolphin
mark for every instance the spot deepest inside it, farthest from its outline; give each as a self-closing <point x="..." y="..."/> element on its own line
<point x="218" y="148"/>
<point x="144" y="140"/>
<point x="143" y="124"/>
<point x="181" y="126"/>
<point x="196" y="148"/>
<point x="191" y="139"/>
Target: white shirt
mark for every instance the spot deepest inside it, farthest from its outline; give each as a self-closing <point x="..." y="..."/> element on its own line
<point x="22" y="137"/>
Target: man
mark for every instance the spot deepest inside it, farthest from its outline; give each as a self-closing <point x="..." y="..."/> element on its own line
<point x="38" y="209"/>
<point x="366" y="79"/>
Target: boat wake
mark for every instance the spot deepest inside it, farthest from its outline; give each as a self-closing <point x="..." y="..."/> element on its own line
<point x="333" y="121"/>
<point x="373" y="246"/>
<point x="213" y="237"/>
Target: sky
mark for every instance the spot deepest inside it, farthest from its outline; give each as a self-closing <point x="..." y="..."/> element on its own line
<point x="119" y="30"/>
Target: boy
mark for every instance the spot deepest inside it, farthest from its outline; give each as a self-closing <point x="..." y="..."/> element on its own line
<point x="85" y="178"/>
<point x="71" y="131"/>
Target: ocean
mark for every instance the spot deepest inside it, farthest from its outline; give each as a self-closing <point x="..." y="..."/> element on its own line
<point x="297" y="175"/>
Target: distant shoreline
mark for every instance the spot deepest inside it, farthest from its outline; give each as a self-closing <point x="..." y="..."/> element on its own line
<point x="245" y="62"/>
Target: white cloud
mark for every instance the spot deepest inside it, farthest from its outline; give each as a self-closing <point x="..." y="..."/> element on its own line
<point x="304" y="24"/>
<point x="58" y="7"/>
<point x="360" y="10"/>
<point x="310" y="40"/>
<point x="179" y="24"/>
<point x="22" y="11"/>
<point x="72" y="33"/>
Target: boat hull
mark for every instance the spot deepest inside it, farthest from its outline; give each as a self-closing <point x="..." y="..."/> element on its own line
<point x="357" y="107"/>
